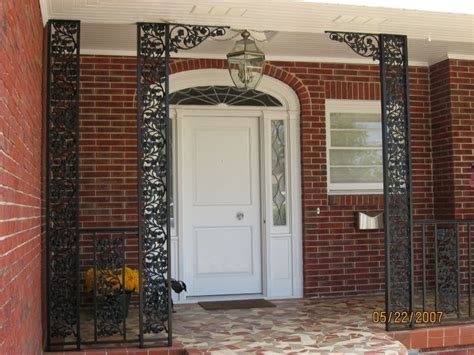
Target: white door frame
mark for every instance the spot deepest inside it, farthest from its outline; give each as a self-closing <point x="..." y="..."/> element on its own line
<point x="282" y="246"/>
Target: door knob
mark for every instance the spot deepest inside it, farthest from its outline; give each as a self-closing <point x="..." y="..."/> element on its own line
<point x="240" y="215"/>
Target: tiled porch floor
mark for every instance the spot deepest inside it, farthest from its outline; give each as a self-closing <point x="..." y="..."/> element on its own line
<point x="305" y="325"/>
<point x="339" y="325"/>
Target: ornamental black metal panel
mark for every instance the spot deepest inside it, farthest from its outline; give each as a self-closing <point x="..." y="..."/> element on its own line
<point x="391" y="51"/>
<point x="152" y="176"/>
<point x="155" y="41"/>
<point x="447" y="269"/>
<point x="109" y="286"/>
<point x="62" y="183"/>
<point x="397" y="173"/>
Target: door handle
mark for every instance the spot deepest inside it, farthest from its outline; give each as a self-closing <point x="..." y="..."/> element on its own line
<point x="240" y="215"/>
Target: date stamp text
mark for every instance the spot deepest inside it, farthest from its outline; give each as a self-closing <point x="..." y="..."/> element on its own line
<point x="420" y="317"/>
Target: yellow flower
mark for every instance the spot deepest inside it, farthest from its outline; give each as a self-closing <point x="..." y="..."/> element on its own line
<point x="113" y="278"/>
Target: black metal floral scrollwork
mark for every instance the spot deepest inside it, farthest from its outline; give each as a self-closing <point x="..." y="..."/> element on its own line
<point x="109" y="276"/>
<point x="188" y="37"/>
<point x="391" y="51"/>
<point x="153" y="173"/>
<point x="155" y="42"/>
<point x="397" y="168"/>
<point x="364" y="44"/>
<point x="447" y="268"/>
<point x="62" y="179"/>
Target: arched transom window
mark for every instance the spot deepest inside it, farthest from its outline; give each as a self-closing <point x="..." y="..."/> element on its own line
<point x="229" y="95"/>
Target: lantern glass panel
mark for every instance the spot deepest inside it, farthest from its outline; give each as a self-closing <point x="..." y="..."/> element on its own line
<point x="246" y="64"/>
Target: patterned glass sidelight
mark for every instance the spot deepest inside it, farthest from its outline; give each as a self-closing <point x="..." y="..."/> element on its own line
<point x="279" y="193"/>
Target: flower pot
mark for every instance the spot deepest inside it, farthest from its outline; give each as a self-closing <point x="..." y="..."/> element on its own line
<point x="124" y="299"/>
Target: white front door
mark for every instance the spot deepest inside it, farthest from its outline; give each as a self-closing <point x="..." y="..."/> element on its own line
<point x="221" y="205"/>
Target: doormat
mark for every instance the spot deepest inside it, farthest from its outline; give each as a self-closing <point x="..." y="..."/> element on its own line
<point x="240" y="304"/>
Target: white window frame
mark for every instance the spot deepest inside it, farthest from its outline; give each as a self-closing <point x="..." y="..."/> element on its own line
<point x="349" y="106"/>
<point x="174" y="163"/>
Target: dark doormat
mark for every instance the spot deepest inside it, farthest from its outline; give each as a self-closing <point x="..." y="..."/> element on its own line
<point x="240" y="304"/>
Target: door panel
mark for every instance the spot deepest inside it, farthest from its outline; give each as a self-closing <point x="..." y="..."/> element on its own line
<point x="222" y="176"/>
<point x="221" y="205"/>
<point x="223" y="251"/>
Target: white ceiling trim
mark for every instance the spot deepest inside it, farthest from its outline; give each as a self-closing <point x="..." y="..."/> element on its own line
<point x="451" y="56"/>
<point x="283" y="15"/>
<point x="103" y="34"/>
<point x="460" y="56"/>
<point x="452" y="6"/>
<point x="44" y="11"/>
<point x="189" y="55"/>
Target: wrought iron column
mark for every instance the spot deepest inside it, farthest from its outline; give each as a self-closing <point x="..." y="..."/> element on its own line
<point x="155" y="42"/>
<point x="62" y="183"/>
<point x="391" y="51"/>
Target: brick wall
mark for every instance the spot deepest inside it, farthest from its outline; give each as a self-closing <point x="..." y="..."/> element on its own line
<point x="461" y="83"/>
<point x="452" y="96"/>
<point x="442" y="140"/>
<point x="21" y="39"/>
<point x="108" y="153"/>
<point x="338" y="260"/>
<point x="108" y="142"/>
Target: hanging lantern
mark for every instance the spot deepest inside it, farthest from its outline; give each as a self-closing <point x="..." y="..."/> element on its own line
<point x="246" y="63"/>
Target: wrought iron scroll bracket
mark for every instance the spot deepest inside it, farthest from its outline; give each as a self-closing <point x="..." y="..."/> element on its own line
<point x="155" y="42"/>
<point x="183" y="37"/>
<point x="364" y="44"/>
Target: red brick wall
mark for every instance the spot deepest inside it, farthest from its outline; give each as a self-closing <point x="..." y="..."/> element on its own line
<point x="21" y="39"/>
<point x="442" y="137"/>
<point x="108" y="152"/>
<point x="461" y="83"/>
<point x="452" y="108"/>
<point x="452" y="97"/>
<point x="338" y="260"/>
<point x="108" y="142"/>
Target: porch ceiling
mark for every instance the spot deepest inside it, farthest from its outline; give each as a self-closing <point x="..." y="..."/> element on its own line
<point x="296" y="27"/>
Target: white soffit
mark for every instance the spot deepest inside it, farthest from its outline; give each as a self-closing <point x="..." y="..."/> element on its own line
<point x="295" y="27"/>
<point x="111" y="39"/>
<point x="452" y="6"/>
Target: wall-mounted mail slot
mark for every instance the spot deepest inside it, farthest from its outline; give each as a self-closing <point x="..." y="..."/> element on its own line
<point x="369" y="220"/>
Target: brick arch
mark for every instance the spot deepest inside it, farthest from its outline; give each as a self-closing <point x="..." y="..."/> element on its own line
<point x="293" y="82"/>
<point x="271" y="70"/>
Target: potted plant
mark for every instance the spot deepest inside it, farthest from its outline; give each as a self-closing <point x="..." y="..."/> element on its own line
<point x="115" y="283"/>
